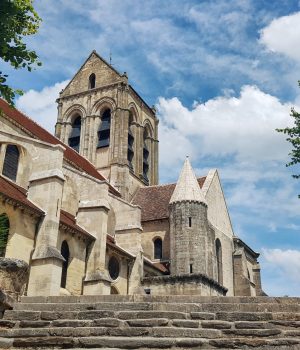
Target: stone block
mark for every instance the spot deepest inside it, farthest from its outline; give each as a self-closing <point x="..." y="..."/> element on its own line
<point x="158" y="322"/>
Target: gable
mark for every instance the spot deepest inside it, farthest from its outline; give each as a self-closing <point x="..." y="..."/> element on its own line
<point x="105" y="75"/>
<point x="217" y="211"/>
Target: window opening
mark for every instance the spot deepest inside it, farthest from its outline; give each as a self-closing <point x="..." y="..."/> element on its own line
<point x="191" y="268"/>
<point x="114" y="268"/>
<point x="11" y="162"/>
<point x="158" y="248"/>
<point x="104" y="129"/>
<point x="219" y="261"/>
<point x="130" y="149"/>
<point x="65" y="252"/>
<point x="4" y="231"/>
<point x="92" y="81"/>
<point x="145" y="158"/>
<point x="190" y="222"/>
<point x="74" y="139"/>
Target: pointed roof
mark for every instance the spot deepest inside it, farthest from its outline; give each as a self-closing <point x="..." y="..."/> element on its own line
<point x="187" y="187"/>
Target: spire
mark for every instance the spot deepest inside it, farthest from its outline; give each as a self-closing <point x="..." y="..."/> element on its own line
<point x="187" y="187"/>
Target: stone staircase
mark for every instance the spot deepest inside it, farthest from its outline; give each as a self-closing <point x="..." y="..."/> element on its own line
<point x="152" y="322"/>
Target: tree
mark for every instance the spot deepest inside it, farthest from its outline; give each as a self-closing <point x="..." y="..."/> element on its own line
<point x="294" y="138"/>
<point x="17" y="20"/>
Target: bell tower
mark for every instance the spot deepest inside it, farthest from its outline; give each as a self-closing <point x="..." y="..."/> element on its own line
<point x="105" y="120"/>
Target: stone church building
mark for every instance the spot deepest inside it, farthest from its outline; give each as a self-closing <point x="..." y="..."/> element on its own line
<point x="85" y="211"/>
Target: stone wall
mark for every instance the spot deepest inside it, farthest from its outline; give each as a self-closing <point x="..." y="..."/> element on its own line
<point x="193" y="284"/>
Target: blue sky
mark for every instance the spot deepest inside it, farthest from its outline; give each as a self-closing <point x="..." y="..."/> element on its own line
<point x="223" y="75"/>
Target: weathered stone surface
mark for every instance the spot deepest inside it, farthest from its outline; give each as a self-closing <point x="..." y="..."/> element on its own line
<point x="202" y="316"/>
<point x="22" y="315"/>
<point x="107" y="322"/>
<point x="7" y="324"/>
<point x="244" y="316"/>
<point x="90" y="315"/>
<point x="6" y="343"/>
<point x="216" y="324"/>
<point x="127" y="315"/>
<point x="252" y="332"/>
<point x="252" y="325"/>
<point x="33" y="324"/>
<point x="185" y="332"/>
<point x="185" y="323"/>
<point x="128" y="332"/>
<point x="148" y="322"/>
<point x="43" y="342"/>
<point x="14" y="275"/>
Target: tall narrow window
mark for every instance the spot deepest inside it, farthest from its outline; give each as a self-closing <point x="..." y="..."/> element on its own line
<point x="74" y="138"/>
<point x="65" y="252"/>
<point x="130" y="149"/>
<point x="104" y="129"/>
<point x="11" y="162"/>
<point x="92" y="81"/>
<point x="145" y="158"/>
<point x="219" y="261"/>
<point x="158" y="248"/>
<point x="190" y="222"/>
<point x="4" y="231"/>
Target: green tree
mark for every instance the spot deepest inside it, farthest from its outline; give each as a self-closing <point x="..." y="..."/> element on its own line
<point x="4" y="230"/>
<point x="17" y="20"/>
<point x="294" y="138"/>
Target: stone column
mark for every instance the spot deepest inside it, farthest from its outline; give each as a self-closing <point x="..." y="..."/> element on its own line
<point x="93" y="216"/>
<point x="46" y="189"/>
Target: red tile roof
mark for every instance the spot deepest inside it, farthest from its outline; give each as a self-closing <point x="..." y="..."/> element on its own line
<point x="157" y="265"/>
<point x="10" y="190"/>
<point x="40" y="133"/>
<point x="69" y="220"/>
<point x="154" y="200"/>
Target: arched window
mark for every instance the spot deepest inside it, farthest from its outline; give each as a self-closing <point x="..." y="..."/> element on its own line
<point x="74" y="138"/>
<point x="145" y="157"/>
<point x="219" y="261"/>
<point x="65" y="252"/>
<point x="4" y="231"/>
<point x="92" y="81"/>
<point x="158" y="248"/>
<point x="104" y="129"/>
<point x="114" y="268"/>
<point x="130" y="149"/>
<point x="11" y="162"/>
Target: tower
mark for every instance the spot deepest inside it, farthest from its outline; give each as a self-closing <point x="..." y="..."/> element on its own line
<point x="191" y="237"/>
<point x="104" y="119"/>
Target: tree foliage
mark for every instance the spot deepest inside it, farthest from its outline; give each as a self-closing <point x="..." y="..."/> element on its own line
<point x="17" y="20"/>
<point x="293" y="134"/>
<point x="4" y="230"/>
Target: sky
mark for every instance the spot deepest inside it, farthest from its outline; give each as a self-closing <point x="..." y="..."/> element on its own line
<point x="223" y="76"/>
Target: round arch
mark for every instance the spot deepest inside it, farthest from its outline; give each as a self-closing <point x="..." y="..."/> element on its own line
<point x="73" y="112"/>
<point x="157" y="247"/>
<point x="102" y="104"/>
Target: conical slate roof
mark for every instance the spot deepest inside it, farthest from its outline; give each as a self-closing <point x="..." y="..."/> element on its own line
<point x="187" y="187"/>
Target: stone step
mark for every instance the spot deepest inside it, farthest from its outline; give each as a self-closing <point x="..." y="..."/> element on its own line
<point x="159" y="298"/>
<point x="112" y="342"/>
<point x="183" y="307"/>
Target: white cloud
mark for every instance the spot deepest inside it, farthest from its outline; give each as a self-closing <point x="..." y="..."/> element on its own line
<point x="283" y="271"/>
<point x="41" y="105"/>
<point x="242" y="126"/>
<point x="282" y="36"/>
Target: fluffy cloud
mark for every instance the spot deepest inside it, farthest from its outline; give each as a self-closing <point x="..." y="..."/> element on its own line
<point x="41" y="105"/>
<point x="282" y="271"/>
<point x="243" y="127"/>
<point x="282" y="36"/>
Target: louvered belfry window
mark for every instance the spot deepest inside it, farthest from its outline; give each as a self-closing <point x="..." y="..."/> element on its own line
<point x="11" y="162"/>
<point x="104" y="129"/>
<point x="145" y="159"/>
<point x="74" y="139"/>
<point x="130" y="149"/>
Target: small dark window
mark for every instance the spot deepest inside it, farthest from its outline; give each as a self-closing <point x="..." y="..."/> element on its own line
<point x="158" y="248"/>
<point x="145" y="158"/>
<point x="113" y="268"/>
<point x="104" y="129"/>
<point x="11" y="162"/>
<point x="92" y="81"/>
<point x="130" y="149"/>
<point x="190" y="222"/>
<point x="4" y="231"/>
<point x="191" y="268"/>
<point x="74" y="139"/>
<point x="66" y="254"/>
<point x="219" y="261"/>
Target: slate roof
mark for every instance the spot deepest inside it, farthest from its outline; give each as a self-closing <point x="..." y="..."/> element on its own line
<point x="17" y="193"/>
<point x="154" y="200"/>
<point x="187" y="187"/>
<point x="41" y="134"/>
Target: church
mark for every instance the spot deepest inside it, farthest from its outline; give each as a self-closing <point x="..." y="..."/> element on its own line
<point x="85" y="210"/>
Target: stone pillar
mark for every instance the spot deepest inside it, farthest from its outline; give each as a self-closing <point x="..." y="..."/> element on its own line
<point x="242" y="285"/>
<point x="46" y="188"/>
<point x="58" y="125"/>
<point x="93" y="215"/>
<point x="257" y="280"/>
